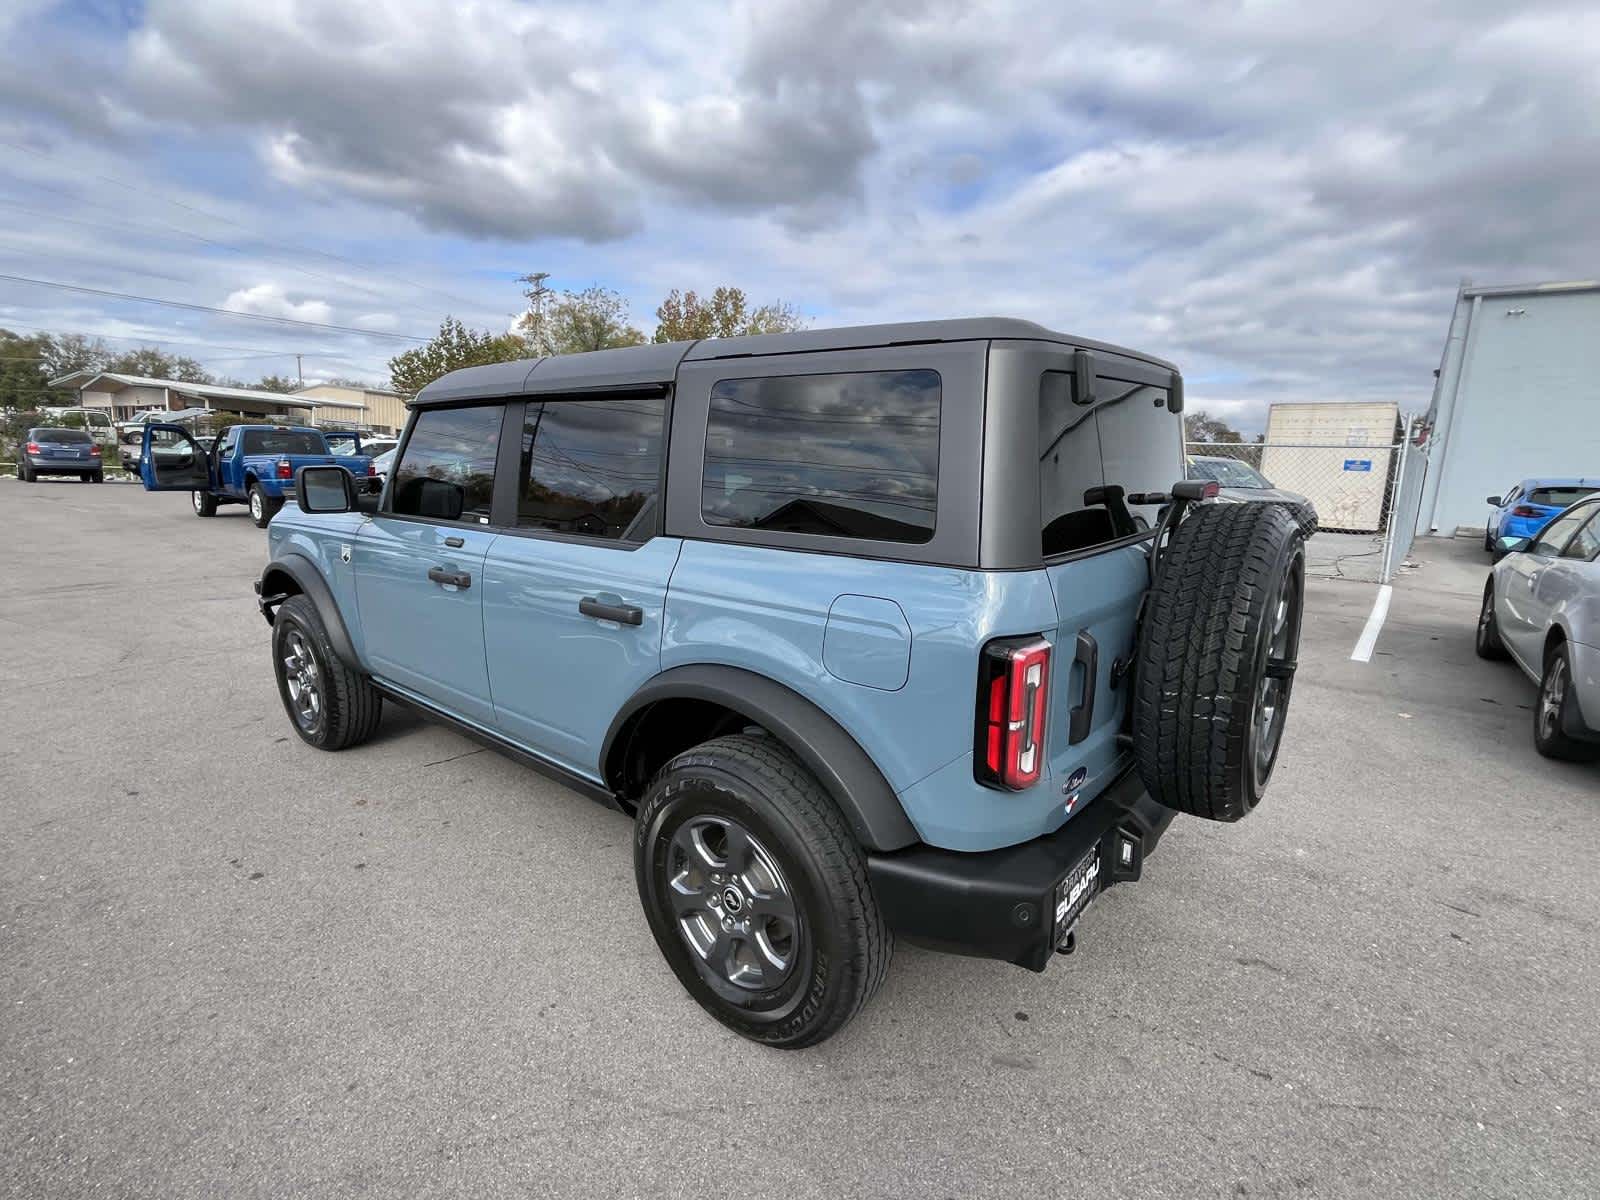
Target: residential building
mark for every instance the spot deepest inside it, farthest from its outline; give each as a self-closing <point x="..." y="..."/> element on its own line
<point x="1517" y="396"/>
<point x="123" y="396"/>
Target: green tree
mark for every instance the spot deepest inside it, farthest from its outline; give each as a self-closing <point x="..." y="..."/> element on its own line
<point x="276" y="383"/>
<point x="25" y="374"/>
<point x="684" y="316"/>
<point x="453" y="347"/>
<point x="155" y="363"/>
<point x="574" y="322"/>
<point x="68" y="353"/>
<point x="1201" y="426"/>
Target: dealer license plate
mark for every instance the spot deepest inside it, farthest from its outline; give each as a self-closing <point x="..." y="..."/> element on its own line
<point x="1074" y="893"/>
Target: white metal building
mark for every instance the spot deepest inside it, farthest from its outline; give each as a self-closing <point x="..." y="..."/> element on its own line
<point x="1339" y="456"/>
<point x="1518" y="395"/>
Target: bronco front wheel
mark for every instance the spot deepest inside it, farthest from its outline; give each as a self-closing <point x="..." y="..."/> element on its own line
<point x="757" y="893"/>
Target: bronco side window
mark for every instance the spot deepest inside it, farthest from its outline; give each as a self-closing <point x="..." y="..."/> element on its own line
<point x="850" y="455"/>
<point x="592" y="467"/>
<point x="1125" y="441"/>
<point x="446" y="472"/>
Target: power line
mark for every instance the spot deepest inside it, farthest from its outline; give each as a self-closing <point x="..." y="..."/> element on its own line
<point x="143" y="340"/>
<point x="206" y="308"/>
<point x="290" y="247"/>
<point x="135" y="227"/>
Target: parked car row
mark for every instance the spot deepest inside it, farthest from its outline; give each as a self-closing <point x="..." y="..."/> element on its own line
<point x="1541" y="609"/>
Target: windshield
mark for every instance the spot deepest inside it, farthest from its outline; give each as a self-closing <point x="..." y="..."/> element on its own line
<point x="68" y="436"/>
<point x="1559" y="497"/>
<point x="284" y="441"/>
<point x="1227" y="472"/>
<point x="342" y="444"/>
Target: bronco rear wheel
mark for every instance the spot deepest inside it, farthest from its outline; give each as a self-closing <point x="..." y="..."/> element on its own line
<point x="1217" y="656"/>
<point x="757" y="894"/>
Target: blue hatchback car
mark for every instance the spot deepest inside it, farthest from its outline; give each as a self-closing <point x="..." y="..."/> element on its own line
<point x="905" y="631"/>
<point x="1527" y="508"/>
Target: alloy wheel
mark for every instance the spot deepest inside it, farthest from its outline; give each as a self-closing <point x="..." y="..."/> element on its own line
<point x="1552" y="698"/>
<point x="732" y="905"/>
<point x="304" y="680"/>
<point x="1272" y="695"/>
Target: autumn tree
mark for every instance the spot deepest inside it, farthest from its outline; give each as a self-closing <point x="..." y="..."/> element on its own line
<point x="453" y="347"/>
<point x="685" y="316"/>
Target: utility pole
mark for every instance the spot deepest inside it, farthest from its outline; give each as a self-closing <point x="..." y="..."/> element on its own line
<point x="299" y="374"/>
<point x="533" y="322"/>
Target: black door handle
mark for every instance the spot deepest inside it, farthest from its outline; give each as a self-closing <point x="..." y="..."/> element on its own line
<point x="455" y="543"/>
<point x="458" y="579"/>
<point x="1082" y="715"/>
<point x="622" y="614"/>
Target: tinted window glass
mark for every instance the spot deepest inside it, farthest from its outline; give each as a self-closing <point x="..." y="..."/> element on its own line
<point x="1559" y="497"/>
<point x="447" y="470"/>
<point x="1127" y="439"/>
<point x="342" y="444"/>
<point x="851" y="455"/>
<point x="1556" y="533"/>
<point x="1585" y="544"/>
<point x="592" y="467"/>
<point x="73" y="437"/>
<point x="283" y="441"/>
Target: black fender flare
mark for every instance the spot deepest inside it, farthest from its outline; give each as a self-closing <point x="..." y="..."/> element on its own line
<point x="309" y="581"/>
<point x="843" y="768"/>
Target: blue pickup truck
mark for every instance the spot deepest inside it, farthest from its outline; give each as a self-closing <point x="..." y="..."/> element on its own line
<point x="250" y="464"/>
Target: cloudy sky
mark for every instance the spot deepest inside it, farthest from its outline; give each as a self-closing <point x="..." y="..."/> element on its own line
<point x="1280" y="197"/>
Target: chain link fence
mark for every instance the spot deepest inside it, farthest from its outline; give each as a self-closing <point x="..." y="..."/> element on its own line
<point x="1366" y="496"/>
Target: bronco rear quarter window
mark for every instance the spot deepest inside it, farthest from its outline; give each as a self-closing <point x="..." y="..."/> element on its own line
<point x="851" y="455"/>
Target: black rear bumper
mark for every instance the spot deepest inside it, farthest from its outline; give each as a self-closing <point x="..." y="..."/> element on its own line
<point x="1001" y="903"/>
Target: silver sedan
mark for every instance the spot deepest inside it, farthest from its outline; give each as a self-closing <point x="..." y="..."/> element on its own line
<point x="1541" y="608"/>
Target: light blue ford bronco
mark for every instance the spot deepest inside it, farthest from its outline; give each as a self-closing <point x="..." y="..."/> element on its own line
<point x="899" y="631"/>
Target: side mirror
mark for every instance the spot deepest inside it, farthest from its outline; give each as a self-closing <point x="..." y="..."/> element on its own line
<point x="1513" y="545"/>
<point x="325" y="490"/>
<point x="1494" y="501"/>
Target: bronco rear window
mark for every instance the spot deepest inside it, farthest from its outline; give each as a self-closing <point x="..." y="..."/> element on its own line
<point x="283" y="441"/>
<point x="852" y="455"/>
<point x="1559" y="497"/>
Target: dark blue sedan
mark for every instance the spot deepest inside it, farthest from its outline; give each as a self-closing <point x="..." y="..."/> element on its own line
<point x="1527" y="508"/>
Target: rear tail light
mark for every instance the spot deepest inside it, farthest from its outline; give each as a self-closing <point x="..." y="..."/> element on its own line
<point x="372" y="468"/>
<point x="95" y="451"/>
<point x="1013" y="690"/>
<point x="1525" y="510"/>
<point x="285" y="471"/>
<point x="33" y="448"/>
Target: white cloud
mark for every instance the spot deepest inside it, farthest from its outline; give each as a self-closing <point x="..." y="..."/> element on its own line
<point x="270" y="300"/>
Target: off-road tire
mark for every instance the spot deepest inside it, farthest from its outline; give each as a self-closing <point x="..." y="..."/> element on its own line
<point x="1487" y="640"/>
<point x="1230" y="582"/>
<point x="841" y="946"/>
<point x="205" y="504"/>
<point x="1550" y="736"/>
<point x="350" y="705"/>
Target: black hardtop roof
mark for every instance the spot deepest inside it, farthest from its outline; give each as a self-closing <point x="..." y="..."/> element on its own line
<point x="656" y="365"/>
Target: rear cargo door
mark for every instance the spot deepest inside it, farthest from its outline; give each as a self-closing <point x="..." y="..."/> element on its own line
<point x="1116" y="434"/>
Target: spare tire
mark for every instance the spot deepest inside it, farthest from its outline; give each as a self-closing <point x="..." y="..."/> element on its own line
<point x="1216" y="658"/>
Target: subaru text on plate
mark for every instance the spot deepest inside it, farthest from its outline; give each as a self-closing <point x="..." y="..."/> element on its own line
<point x="909" y="630"/>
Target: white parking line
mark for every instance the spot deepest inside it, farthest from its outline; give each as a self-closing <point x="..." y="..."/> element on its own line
<point x="1369" y="635"/>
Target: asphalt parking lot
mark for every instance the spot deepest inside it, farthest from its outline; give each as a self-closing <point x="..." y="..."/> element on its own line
<point x="232" y="965"/>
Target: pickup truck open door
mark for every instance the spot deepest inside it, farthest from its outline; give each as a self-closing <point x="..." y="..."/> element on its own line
<point x="170" y="460"/>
